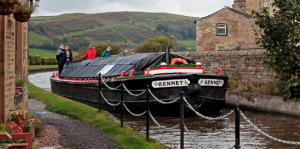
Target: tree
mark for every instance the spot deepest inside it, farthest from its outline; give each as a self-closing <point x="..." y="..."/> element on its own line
<point x="280" y="36"/>
<point x="163" y="27"/>
<point x="156" y="44"/>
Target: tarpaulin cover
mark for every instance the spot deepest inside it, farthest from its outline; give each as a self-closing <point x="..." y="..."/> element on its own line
<point x="137" y="62"/>
<point x="157" y="60"/>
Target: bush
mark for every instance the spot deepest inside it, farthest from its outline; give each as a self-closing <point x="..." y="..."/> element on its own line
<point x="156" y="44"/>
<point x="35" y="59"/>
<point x="52" y="61"/>
<point x="45" y="60"/>
<point x="38" y="123"/>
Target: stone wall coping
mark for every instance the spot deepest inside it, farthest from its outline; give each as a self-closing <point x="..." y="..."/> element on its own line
<point x="221" y="53"/>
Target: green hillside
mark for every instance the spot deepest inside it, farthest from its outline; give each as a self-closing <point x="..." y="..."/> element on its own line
<point x="42" y="53"/>
<point x="127" y="29"/>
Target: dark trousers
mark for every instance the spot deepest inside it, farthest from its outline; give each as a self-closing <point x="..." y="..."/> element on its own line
<point x="60" y="68"/>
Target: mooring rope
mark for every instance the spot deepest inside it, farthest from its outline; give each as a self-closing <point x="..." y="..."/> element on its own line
<point x="114" y="105"/>
<point x="160" y="101"/>
<point x="131" y="92"/>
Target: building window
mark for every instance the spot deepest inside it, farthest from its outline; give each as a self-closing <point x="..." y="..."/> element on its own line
<point x="222" y="29"/>
<point x="265" y="4"/>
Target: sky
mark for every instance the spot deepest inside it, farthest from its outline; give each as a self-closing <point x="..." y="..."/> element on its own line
<point x="193" y="8"/>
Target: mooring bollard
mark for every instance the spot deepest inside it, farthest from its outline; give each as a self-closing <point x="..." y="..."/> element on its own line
<point x="99" y="92"/>
<point x="147" y="117"/>
<point x="181" y="121"/>
<point x="122" y="105"/>
<point x="237" y="126"/>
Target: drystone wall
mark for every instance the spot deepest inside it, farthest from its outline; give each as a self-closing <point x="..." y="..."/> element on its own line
<point x="247" y="65"/>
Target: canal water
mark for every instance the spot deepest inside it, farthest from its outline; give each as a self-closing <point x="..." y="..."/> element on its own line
<point x="217" y="134"/>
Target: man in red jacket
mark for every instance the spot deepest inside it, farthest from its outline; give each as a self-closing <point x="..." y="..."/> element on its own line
<point x="90" y="54"/>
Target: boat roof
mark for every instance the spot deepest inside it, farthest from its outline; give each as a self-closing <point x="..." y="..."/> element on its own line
<point x="113" y="66"/>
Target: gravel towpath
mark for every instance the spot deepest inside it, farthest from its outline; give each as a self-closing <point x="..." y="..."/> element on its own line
<point x="72" y="134"/>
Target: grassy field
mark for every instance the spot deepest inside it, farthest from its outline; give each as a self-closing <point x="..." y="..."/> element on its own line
<point x="42" y="53"/>
<point x="45" y="53"/>
<point x="41" y="66"/>
<point x="124" y="136"/>
<point x="37" y="39"/>
<point x="191" y="43"/>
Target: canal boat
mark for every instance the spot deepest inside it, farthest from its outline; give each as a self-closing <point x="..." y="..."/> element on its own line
<point x="165" y="74"/>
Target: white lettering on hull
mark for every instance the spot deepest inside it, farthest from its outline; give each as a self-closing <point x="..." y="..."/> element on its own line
<point x="170" y="83"/>
<point x="211" y="82"/>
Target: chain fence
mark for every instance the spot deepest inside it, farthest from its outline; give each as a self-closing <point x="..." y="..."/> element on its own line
<point x="132" y="93"/>
<point x="206" y="117"/>
<point x="107" y="85"/>
<point x="114" y="105"/>
<point x="163" y="127"/>
<point x="265" y="134"/>
<point x="162" y="102"/>
<point x="137" y="115"/>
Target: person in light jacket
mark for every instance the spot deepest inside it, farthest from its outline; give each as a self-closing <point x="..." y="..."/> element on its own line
<point x="68" y="55"/>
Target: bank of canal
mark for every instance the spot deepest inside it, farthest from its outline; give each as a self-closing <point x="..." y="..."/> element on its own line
<point x="211" y="134"/>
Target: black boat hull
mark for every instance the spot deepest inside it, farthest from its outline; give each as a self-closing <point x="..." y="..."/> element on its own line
<point x="205" y="99"/>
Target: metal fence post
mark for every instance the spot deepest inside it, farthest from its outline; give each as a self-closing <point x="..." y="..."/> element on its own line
<point x="122" y="105"/>
<point x="99" y="92"/>
<point x="147" y="110"/>
<point x="181" y="121"/>
<point x="237" y="126"/>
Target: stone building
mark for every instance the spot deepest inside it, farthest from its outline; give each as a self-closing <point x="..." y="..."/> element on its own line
<point x="247" y="5"/>
<point x="13" y="61"/>
<point x="229" y="28"/>
<point x="225" y="28"/>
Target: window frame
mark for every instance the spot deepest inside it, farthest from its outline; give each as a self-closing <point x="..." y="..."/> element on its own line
<point x="265" y="4"/>
<point x="226" y="29"/>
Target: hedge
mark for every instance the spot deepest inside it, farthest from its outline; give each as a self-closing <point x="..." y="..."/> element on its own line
<point x="49" y="61"/>
<point x="37" y="60"/>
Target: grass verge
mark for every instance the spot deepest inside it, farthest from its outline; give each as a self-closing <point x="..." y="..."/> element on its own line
<point x="124" y="136"/>
<point x="41" y="66"/>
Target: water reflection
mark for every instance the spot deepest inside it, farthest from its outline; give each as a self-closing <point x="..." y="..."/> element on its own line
<point x="211" y="134"/>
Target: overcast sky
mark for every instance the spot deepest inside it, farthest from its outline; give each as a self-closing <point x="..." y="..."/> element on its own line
<point x="195" y="8"/>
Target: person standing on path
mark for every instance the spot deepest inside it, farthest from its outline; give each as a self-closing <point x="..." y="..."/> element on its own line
<point x="106" y="52"/>
<point x="91" y="53"/>
<point x="123" y="53"/>
<point x="68" y="55"/>
<point x="61" y="58"/>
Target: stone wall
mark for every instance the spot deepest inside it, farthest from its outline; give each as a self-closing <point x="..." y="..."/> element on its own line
<point x="13" y="60"/>
<point x="247" y="64"/>
<point x="263" y="102"/>
<point x="252" y="4"/>
<point x="23" y="104"/>
<point x="239" y="30"/>
<point x="9" y="64"/>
